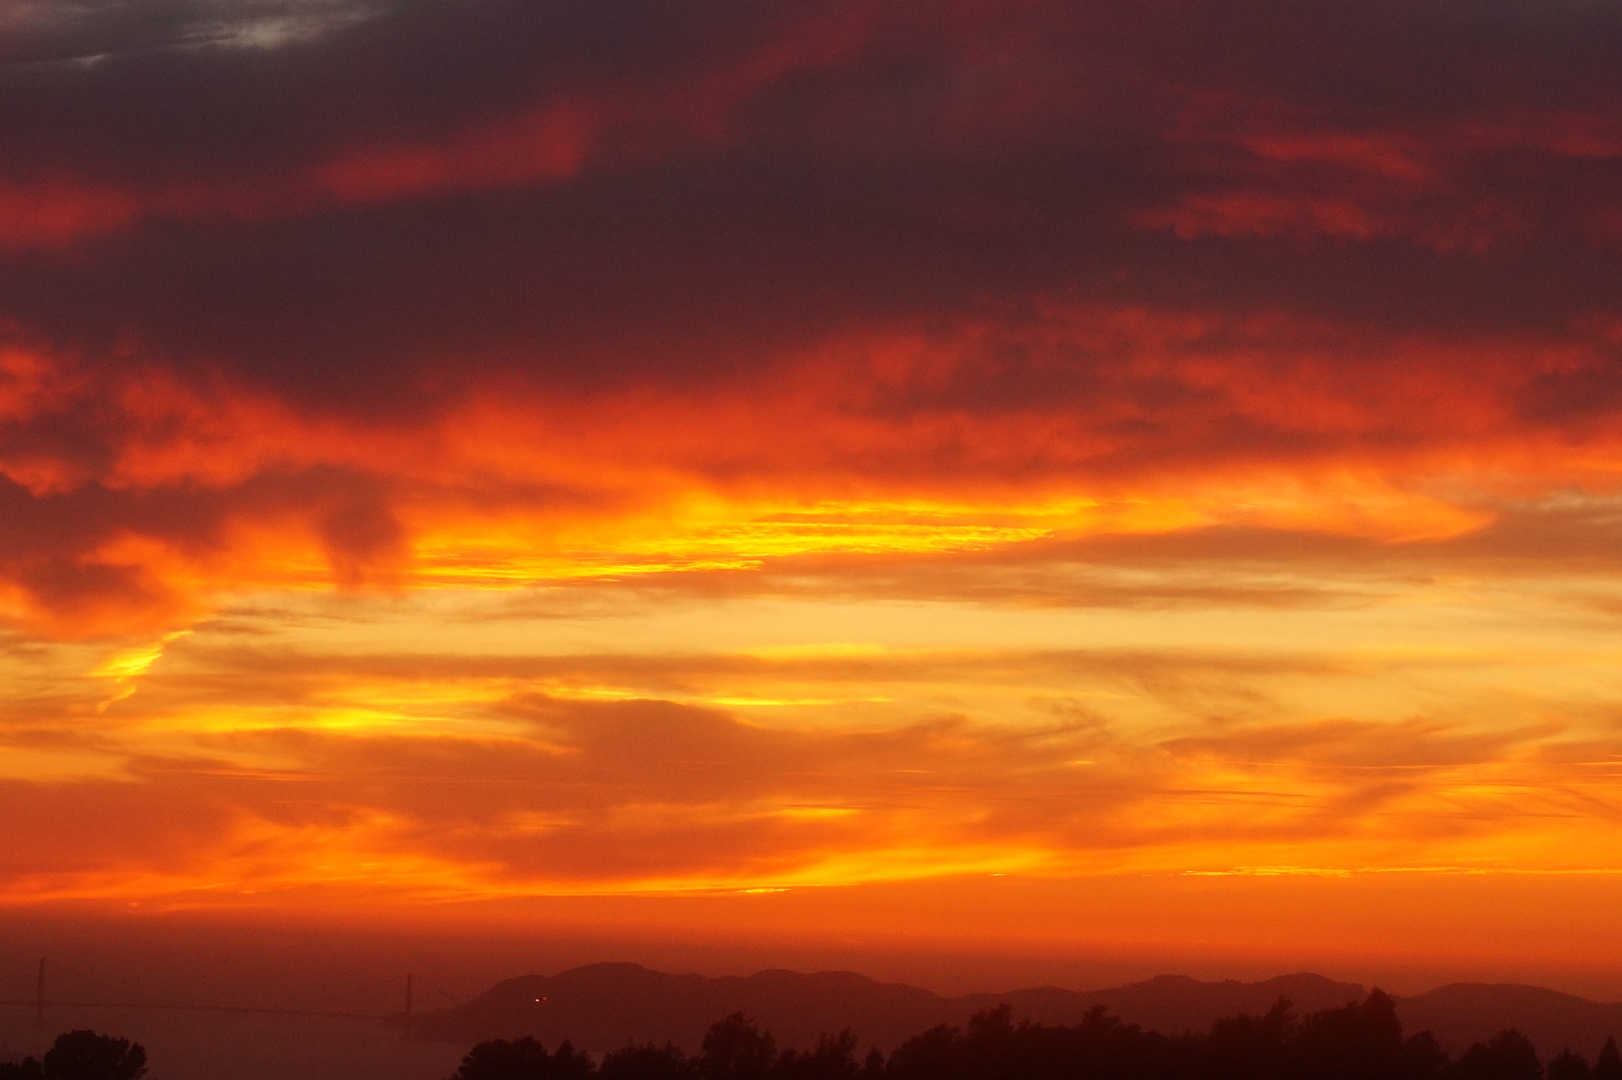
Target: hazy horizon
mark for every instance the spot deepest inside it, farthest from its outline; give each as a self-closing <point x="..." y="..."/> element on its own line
<point x="176" y="959"/>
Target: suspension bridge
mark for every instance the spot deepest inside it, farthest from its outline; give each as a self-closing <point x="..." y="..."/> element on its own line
<point x="104" y="996"/>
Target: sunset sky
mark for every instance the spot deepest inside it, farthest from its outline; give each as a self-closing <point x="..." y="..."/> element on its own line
<point x="1091" y="475"/>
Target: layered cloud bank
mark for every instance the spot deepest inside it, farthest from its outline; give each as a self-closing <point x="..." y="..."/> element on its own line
<point x="511" y="449"/>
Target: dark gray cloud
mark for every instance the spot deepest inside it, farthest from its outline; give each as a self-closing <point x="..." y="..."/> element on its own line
<point x="758" y="178"/>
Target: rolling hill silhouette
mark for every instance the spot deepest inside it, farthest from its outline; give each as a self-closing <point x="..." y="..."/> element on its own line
<point x="605" y="1006"/>
<point x="1463" y="1013"/>
<point x="602" y="1006"/>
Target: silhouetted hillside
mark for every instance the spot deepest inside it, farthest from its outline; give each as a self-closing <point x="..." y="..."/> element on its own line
<point x="604" y="1006"/>
<point x="1167" y="1003"/>
<point x="1465" y="1013"/>
<point x="1360" y="1040"/>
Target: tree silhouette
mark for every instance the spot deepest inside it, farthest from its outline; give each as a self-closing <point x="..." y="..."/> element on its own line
<point x="1608" y="1066"/>
<point x="522" y="1059"/>
<point x="569" y="1063"/>
<point x="646" y="1061"/>
<point x="736" y="1049"/>
<point x="833" y="1059"/>
<point x="1508" y="1055"/>
<point x="500" y="1059"/>
<point x="994" y="1049"/>
<point x="1567" y="1066"/>
<point x="1251" y="1047"/>
<point x="1362" y="1040"/>
<point x="85" y="1055"/>
<point x="932" y="1055"/>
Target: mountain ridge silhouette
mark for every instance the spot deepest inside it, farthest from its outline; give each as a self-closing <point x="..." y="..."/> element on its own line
<point x="604" y="1006"/>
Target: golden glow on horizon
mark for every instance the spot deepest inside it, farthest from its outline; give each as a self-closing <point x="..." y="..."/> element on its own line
<point x="466" y="748"/>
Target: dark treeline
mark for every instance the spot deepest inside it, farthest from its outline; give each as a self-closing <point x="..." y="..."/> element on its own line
<point x="1360" y="1041"/>
<point x="81" y="1055"/>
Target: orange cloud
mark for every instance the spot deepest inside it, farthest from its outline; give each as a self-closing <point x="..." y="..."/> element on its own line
<point x="499" y="451"/>
<point x="173" y="491"/>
